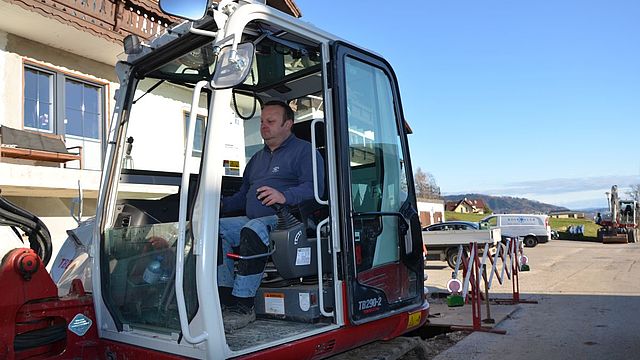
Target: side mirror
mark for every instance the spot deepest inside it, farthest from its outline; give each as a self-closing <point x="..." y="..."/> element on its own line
<point x="186" y="9"/>
<point x="232" y="66"/>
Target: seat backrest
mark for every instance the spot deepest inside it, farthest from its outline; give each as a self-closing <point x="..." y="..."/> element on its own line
<point x="303" y="131"/>
<point x="310" y="211"/>
<point x="33" y="141"/>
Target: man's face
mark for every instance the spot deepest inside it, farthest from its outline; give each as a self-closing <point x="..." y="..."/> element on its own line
<point x="272" y="126"/>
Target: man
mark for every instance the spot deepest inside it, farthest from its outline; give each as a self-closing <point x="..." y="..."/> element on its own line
<point x="280" y="173"/>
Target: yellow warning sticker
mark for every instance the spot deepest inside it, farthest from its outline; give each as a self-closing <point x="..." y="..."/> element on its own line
<point x="414" y="319"/>
<point x="274" y="303"/>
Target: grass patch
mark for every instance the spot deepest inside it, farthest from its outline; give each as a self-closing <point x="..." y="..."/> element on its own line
<point x="453" y="216"/>
<point x="561" y="225"/>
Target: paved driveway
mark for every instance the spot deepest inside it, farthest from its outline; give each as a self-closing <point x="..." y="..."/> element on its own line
<point x="589" y="306"/>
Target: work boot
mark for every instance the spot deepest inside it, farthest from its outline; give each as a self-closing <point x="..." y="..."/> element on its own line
<point x="238" y="316"/>
<point x="226" y="298"/>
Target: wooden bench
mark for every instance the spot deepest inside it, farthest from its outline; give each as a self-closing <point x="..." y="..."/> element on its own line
<point x="24" y="144"/>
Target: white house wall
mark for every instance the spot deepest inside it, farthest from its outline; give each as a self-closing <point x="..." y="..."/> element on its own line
<point x="431" y="208"/>
<point x="157" y="118"/>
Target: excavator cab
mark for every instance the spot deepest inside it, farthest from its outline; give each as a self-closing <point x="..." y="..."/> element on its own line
<point x="186" y="123"/>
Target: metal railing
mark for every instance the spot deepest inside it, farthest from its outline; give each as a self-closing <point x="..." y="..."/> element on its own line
<point x="112" y="19"/>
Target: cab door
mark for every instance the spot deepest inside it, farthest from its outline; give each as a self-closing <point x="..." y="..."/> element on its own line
<point x="380" y="225"/>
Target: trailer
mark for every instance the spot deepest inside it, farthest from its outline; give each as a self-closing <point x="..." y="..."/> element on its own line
<point x="443" y="245"/>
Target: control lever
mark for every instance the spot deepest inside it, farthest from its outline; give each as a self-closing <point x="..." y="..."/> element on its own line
<point x="295" y="257"/>
<point x="285" y="219"/>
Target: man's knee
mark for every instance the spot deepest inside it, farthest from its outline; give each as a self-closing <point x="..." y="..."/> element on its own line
<point x="251" y="244"/>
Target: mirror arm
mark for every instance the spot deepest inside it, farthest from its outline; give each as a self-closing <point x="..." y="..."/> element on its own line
<point x="197" y="31"/>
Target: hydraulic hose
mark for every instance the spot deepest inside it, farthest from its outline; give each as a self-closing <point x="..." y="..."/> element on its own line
<point x="36" y="338"/>
<point x="39" y="236"/>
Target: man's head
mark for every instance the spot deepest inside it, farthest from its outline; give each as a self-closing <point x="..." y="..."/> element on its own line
<point x="276" y="120"/>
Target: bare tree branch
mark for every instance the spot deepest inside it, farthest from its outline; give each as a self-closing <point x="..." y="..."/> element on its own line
<point x="426" y="186"/>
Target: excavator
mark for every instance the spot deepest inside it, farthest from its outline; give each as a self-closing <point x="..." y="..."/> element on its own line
<point x="138" y="280"/>
<point x="620" y="223"/>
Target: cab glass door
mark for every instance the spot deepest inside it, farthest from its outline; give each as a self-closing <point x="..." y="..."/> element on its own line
<point x="381" y="241"/>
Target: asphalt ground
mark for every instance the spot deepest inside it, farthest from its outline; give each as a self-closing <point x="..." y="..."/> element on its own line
<point x="588" y="305"/>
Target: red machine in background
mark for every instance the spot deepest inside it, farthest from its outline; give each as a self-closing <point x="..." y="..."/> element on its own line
<point x="620" y="223"/>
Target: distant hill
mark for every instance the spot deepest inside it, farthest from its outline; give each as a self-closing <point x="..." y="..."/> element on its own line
<point x="508" y="204"/>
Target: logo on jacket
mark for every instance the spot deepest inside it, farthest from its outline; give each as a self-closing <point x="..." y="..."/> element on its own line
<point x="275" y="169"/>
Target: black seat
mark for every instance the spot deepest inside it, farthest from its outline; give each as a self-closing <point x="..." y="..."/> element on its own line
<point x="302" y="130"/>
<point x="308" y="212"/>
<point x="310" y="209"/>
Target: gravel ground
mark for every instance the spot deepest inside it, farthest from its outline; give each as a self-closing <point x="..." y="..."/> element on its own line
<point x="435" y="345"/>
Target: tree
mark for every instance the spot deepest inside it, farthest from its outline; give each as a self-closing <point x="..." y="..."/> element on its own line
<point x="426" y="186"/>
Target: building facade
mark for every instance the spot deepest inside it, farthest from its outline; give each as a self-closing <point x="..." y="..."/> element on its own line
<point x="431" y="211"/>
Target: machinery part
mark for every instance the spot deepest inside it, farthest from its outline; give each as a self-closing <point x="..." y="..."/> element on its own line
<point x="34" y="319"/>
<point x="26" y="264"/>
<point x="39" y="236"/>
<point x="285" y="219"/>
<point x="530" y="241"/>
<point x="40" y="337"/>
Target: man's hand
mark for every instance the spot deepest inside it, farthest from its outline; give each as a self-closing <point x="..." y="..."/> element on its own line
<point x="156" y="243"/>
<point x="269" y="196"/>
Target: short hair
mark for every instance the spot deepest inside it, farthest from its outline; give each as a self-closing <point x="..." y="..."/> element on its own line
<point x="288" y="112"/>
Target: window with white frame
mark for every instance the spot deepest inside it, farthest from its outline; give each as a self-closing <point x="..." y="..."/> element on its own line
<point x="55" y="102"/>
<point x="38" y="100"/>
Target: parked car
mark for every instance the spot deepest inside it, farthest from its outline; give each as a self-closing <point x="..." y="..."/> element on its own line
<point x="532" y="229"/>
<point x="452" y="225"/>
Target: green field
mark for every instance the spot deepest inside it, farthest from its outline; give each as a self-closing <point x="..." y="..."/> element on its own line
<point x="451" y="216"/>
<point x="560" y="225"/>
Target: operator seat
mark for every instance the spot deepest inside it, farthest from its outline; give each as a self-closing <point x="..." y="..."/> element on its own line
<point x="308" y="212"/>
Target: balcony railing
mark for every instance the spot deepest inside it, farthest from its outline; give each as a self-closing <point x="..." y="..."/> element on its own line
<point x="111" y="19"/>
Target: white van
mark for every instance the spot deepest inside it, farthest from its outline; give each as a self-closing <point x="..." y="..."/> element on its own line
<point x="533" y="229"/>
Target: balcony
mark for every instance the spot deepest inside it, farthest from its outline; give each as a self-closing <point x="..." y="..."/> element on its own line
<point x="93" y="29"/>
<point x="109" y="19"/>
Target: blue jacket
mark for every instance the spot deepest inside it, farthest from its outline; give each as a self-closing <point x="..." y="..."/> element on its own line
<point x="286" y="169"/>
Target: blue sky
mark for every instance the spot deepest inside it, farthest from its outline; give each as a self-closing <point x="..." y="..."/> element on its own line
<point x="537" y="99"/>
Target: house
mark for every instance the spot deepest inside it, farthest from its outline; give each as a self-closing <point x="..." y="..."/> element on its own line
<point x="466" y="206"/>
<point x="431" y="211"/>
<point x="57" y="60"/>
<point x="566" y="215"/>
<point x="478" y="205"/>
